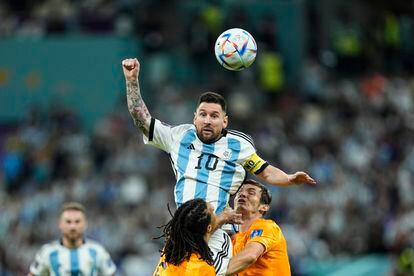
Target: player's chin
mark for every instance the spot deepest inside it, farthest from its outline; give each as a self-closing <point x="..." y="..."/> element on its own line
<point x="239" y="207"/>
<point x="208" y="138"/>
<point x="73" y="236"/>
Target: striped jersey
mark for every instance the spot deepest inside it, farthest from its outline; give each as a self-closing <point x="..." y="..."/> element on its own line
<point x="213" y="171"/>
<point x="57" y="260"/>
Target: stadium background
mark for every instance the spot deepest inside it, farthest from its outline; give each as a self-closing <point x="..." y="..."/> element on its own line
<point x="331" y="92"/>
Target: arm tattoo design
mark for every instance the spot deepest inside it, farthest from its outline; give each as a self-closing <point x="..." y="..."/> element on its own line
<point x="137" y="107"/>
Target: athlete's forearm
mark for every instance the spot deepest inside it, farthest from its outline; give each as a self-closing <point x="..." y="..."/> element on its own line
<point x="228" y="216"/>
<point x="245" y="258"/>
<point x="275" y="176"/>
<point x="240" y="262"/>
<point x="137" y="107"/>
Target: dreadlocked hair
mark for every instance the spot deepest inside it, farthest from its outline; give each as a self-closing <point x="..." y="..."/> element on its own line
<point x="185" y="233"/>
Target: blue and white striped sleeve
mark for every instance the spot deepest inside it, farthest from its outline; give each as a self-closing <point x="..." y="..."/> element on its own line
<point x="163" y="136"/>
<point x="106" y="266"/>
<point x="40" y="265"/>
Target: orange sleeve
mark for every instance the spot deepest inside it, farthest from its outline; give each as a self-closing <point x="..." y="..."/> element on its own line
<point x="267" y="233"/>
<point x="206" y="270"/>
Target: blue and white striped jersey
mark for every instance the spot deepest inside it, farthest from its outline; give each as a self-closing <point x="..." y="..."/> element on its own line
<point x="209" y="171"/>
<point x="57" y="260"/>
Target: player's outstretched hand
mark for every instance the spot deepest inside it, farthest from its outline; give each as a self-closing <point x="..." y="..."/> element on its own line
<point x="301" y="178"/>
<point x="131" y="67"/>
<point x="229" y="216"/>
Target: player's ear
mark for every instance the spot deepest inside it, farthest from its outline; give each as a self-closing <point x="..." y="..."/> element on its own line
<point x="60" y="224"/>
<point x="195" y="116"/>
<point x="225" y="121"/>
<point x="263" y="208"/>
<point x="209" y="228"/>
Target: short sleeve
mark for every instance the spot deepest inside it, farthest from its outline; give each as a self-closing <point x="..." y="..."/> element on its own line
<point x="164" y="136"/>
<point x="244" y="145"/>
<point x="40" y="264"/>
<point x="268" y="234"/>
<point x="106" y="265"/>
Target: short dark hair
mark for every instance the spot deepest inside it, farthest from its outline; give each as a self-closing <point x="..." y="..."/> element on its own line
<point x="213" y="97"/>
<point x="72" y="206"/>
<point x="266" y="196"/>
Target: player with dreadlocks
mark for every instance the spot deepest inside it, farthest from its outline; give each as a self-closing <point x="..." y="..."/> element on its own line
<point x="186" y="250"/>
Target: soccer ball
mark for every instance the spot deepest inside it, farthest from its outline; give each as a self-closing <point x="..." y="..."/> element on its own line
<point x="235" y="49"/>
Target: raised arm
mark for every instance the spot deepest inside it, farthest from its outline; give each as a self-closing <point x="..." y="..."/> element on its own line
<point x="136" y="106"/>
<point x="275" y="176"/>
<point x="272" y="175"/>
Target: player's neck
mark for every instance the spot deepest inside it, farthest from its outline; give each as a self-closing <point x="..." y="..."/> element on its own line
<point x="72" y="243"/>
<point x="248" y="220"/>
<point x="207" y="236"/>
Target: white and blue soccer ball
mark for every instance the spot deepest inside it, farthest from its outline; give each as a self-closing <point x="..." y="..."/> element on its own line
<point x="235" y="49"/>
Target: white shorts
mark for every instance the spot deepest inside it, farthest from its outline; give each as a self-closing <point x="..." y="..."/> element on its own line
<point x="220" y="245"/>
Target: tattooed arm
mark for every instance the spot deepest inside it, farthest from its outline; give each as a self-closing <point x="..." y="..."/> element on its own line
<point x="136" y="106"/>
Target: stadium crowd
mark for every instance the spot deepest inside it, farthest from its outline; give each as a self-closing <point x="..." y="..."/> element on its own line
<point x="354" y="133"/>
<point x="356" y="136"/>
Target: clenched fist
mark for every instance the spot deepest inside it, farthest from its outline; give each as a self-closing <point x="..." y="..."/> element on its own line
<point x="130" y="67"/>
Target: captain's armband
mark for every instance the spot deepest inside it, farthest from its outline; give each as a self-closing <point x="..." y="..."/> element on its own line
<point x="254" y="164"/>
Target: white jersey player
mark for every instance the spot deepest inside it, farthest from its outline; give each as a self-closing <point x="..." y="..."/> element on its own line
<point x="72" y="254"/>
<point x="211" y="171"/>
<point x="209" y="161"/>
<point x="88" y="259"/>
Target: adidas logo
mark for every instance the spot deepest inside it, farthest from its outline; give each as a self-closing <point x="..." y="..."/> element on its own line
<point x="191" y="147"/>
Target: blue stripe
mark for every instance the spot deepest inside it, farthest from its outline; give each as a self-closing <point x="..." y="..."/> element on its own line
<point x="92" y="253"/>
<point x="242" y="50"/>
<point x="182" y="162"/>
<point x="227" y="175"/>
<point x="203" y="172"/>
<point x="226" y="35"/>
<point x="54" y="263"/>
<point x="74" y="262"/>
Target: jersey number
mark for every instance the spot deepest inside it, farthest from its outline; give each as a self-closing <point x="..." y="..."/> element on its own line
<point x="210" y="164"/>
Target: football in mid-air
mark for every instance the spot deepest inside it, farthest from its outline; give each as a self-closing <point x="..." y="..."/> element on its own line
<point x="235" y="49"/>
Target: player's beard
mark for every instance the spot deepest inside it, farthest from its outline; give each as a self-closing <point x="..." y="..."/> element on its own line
<point x="73" y="237"/>
<point x="213" y="137"/>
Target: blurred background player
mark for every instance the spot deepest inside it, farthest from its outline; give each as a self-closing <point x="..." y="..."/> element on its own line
<point x="186" y="251"/>
<point x="259" y="249"/>
<point x="209" y="161"/>
<point x="72" y="254"/>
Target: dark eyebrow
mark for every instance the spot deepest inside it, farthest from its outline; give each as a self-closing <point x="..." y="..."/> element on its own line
<point x="215" y="113"/>
<point x="247" y="189"/>
<point x="203" y="110"/>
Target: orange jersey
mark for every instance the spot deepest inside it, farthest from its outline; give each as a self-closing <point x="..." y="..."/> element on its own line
<point x="192" y="267"/>
<point x="274" y="260"/>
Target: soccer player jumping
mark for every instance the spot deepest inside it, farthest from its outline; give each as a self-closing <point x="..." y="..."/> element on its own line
<point x="209" y="160"/>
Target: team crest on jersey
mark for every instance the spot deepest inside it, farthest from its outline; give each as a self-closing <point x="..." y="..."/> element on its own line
<point x="256" y="233"/>
<point x="227" y="154"/>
